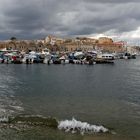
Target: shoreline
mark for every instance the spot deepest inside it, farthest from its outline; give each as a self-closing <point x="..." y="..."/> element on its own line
<point x="22" y="125"/>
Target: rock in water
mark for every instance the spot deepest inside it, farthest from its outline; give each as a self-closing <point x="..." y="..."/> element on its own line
<point x="35" y="120"/>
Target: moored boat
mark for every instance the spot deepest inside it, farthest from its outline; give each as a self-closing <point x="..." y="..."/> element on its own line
<point x="103" y="61"/>
<point x="105" y="56"/>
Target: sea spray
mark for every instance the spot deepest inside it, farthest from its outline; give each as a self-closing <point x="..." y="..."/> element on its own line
<point x="28" y="121"/>
<point x="4" y="119"/>
<point x="82" y="127"/>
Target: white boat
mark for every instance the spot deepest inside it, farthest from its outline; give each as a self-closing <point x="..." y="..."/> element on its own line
<point x="25" y="58"/>
<point x="30" y="57"/>
<point x="79" y="54"/>
<point x="47" y="60"/>
<point x="64" y="59"/>
<point x="105" y="56"/>
<point x="47" y="56"/>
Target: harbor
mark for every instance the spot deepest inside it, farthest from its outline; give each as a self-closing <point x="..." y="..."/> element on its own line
<point x="47" y="57"/>
<point x="69" y="70"/>
<point x="55" y="50"/>
<point x="93" y="80"/>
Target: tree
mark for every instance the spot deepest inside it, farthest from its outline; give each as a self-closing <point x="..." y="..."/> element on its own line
<point x="13" y="38"/>
<point x="13" y="42"/>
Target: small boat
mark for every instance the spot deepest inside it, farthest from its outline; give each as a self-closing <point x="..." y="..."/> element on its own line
<point x="103" y="61"/>
<point x="64" y="60"/>
<point x="47" y="56"/>
<point x="55" y="59"/>
<point x="17" y="60"/>
<point x="79" y="54"/>
<point x="1" y="60"/>
<point x="133" y="56"/>
<point x="106" y="56"/>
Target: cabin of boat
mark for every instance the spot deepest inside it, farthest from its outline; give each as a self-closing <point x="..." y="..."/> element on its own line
<point x="106" y="56"/>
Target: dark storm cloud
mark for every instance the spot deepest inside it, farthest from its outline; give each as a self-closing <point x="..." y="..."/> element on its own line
<point x="38" y="18"/>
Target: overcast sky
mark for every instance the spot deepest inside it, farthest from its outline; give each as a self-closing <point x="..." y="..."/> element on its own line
<point x="35" y="19"/>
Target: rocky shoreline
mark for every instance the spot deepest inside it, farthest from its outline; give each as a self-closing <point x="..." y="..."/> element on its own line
<point x="24" y="122"/>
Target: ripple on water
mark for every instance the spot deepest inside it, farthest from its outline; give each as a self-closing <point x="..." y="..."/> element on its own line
<point x="9" y="105"/>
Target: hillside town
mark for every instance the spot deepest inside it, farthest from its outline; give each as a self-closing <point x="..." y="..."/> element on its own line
<point x="80" y="49"/>
<point x="70" y="44"/>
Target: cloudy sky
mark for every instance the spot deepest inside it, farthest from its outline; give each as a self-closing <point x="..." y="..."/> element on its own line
<point x="32" y="19"/>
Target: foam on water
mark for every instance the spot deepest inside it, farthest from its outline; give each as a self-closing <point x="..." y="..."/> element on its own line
<point x="4" y="119"/>
<point x="82" y="127"/>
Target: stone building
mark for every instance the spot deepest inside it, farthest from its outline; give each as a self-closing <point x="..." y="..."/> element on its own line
<point x="105" y="40"/>
<point x="60" y="44"/>
<point x="23" y="45"/>
<point x="133" y="49"/>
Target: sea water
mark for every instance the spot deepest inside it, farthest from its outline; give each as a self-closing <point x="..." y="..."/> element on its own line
<point x="99" y="96"/>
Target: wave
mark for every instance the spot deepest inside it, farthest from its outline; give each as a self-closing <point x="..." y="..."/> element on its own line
<point x="72" y="126"/>
<point x="82" y="127"/>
